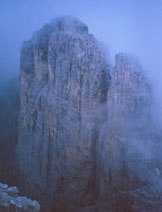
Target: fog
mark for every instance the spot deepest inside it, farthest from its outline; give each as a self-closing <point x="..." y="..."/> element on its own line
<point x="133" y="27"/>
<point x="123" y="25"/>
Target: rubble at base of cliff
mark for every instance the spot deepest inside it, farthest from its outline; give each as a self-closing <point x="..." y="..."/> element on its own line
<point x="10" y="201"/>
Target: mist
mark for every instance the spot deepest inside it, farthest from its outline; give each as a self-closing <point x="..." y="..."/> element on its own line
<point x="122" y="26"/>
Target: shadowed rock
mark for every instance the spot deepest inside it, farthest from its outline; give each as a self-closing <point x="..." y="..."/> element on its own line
<point x="10" y="201"/>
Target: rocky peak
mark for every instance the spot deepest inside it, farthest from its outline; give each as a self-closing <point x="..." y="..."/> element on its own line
<point x="66" y="24"/>
<point x="124" y="60"/>
<point x="128" y="70"/>
<point x="64" y="78"/>
<point x="130" y="90"/>
<point x="69" y="24"/>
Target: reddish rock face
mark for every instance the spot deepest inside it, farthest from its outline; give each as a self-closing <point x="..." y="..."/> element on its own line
<point x="64" y="78"/>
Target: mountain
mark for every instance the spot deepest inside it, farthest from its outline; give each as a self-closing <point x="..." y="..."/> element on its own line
<point x="86" y="136"/>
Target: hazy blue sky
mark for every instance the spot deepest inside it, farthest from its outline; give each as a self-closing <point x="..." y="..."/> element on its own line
<point x="132" y="26"/>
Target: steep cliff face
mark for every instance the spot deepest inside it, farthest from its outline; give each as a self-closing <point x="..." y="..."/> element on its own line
<point x="64" y="78"/>
<point x="128" y="161"/>
<point x="10" y="201"/>
<point x="127" y="129"/>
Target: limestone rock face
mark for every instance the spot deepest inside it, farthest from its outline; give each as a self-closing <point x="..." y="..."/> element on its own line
<point x="85" y="141"/>
<point x="129" y="147"/>
<point x="10" y="201"/>
<point x="129" y="94"/>
<point x="129" y="168"/>
<point x="64" y="78"/>
<point x="121" y="165"/>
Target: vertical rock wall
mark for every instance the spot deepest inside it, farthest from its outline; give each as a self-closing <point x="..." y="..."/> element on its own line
<point x="127" y="128"/>
<point x="64" y="78"/>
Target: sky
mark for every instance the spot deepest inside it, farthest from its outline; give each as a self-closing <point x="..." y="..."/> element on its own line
<point x="130" y="26"/>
